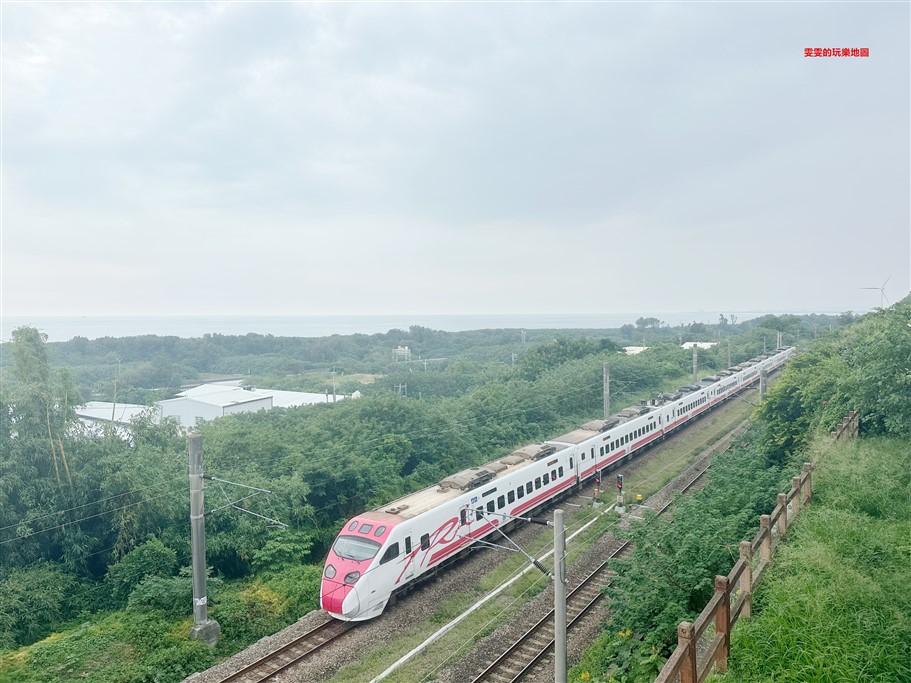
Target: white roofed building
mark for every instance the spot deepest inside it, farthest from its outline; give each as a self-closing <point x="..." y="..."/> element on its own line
<point x="208" y="401"/>
<point x="191" y="410"/>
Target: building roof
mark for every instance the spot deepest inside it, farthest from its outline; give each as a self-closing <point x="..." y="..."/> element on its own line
<point x="224" y="397"/>
<point x="103" y="410"/>
<point x="219" y="394"/>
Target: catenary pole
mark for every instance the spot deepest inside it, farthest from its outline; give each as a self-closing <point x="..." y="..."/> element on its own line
<point x="606" y="391"/>
<point x="204" y="629"/>
<point x="695" y="363"/>
<point x="559" y="598"/>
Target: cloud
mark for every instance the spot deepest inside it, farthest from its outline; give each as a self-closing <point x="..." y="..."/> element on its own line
<point x="430" y="157"/>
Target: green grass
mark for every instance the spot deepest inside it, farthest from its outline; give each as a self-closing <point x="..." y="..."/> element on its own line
<point x="836" y="604"/>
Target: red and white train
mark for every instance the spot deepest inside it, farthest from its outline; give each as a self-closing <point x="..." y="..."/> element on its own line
<point x="380" y="552"/>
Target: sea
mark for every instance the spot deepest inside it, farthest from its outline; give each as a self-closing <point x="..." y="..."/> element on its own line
<point x="64" y="328"/>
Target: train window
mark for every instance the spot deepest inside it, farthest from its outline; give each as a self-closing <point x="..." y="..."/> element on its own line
<point x="365" y="528"/>
<point x="479" y="513"/>
<point x="537" y="482"/>
<point x="528" y="487"/>
<point x="463" y="516"/>
<point x="602" y="450"/>
<point x="546" y="478"/>
<point x="425" y="542"/>
<point x="583" y="454"/>
<point x="570" y="464"/>
<point x="511" y="497"/>
<point x="613" y="445"/>
<point x="391" y="553"/>
<point x="560" y="470"/>
<point x="553" y="475"/>
<point x="380" y="530"/>
<point x="593" y="451"/>
<point x="501" y="502"/>
<point x="490" y="506"/>
<point x="408" y="544"/>
<point x="520" y="492"/>
<point x="352" y="526"/>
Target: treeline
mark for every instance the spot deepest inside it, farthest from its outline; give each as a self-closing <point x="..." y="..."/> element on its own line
<point x="102" y="523"/>
<point x="149" y="368"/>
<point x="668" y="577"/>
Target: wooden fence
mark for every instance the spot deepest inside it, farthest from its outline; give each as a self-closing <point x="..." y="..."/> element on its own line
<point x="706" y="643"/>
<point x="847" y="428"/>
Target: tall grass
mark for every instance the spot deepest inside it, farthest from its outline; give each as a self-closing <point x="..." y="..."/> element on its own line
<point x="836" y="604"/>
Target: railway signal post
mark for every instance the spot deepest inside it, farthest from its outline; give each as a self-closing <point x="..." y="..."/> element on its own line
<point x="620" y="507"/>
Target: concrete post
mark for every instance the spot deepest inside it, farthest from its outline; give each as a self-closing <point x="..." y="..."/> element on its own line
<point x="746" y="578"/>
<point x="723" y="622"/>
<point x="559" y="598"/>
<point x="204" y="629"/>
<point x="808" y="482"/>
<point x="688" y="665"/>
<point x="765" y="550"/>
<point x="783" y="517"/>
<point x="606" y="390"/>
<point x="795" y="484"/>
<point x="695" y="365"/>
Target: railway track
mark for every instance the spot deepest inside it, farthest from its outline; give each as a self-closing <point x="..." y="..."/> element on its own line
<point x="291" y="654"/>
<point x="535" y="647"/>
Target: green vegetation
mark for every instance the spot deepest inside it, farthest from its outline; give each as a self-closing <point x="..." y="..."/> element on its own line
<point x="852" y="553"/>
<point x="100" y="524"/>
<point x="668" y="577"/>
<point x="835" y="605"/>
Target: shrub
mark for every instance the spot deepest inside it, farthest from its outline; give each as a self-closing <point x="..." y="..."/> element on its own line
<point x="151" y="558"/>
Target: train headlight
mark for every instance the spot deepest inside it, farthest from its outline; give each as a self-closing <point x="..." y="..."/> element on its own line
<point x="352" y="577"/>
<point x="330" y="572"/>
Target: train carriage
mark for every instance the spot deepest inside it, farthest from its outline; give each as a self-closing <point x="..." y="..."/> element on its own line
<point x="385" y="550"/>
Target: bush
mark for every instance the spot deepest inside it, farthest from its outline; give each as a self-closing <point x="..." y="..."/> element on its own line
<point x="151" y="558"/>
<point x="32" y="601"/>
<point x="173" y="595"/>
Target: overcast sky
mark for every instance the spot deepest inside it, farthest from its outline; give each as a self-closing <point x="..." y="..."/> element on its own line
<point x="197" y="158"/>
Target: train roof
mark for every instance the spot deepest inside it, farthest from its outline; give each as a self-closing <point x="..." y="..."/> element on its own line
<point x="473" y="478"/>
<point x="467" y="480"/>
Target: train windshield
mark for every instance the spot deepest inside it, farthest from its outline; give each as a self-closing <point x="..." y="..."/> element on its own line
<point x="355" y="548"/>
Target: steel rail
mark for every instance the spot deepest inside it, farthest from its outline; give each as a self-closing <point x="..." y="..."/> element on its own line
<point x="291" y="653"/>
<point x="543" y="629"/>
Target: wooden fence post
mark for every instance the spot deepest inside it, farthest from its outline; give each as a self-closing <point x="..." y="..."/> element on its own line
<point x="808" y="470"/>
<point x="723" y="622"/>
<point x="783" y="517"/>
<point x="765" y="550"/>
<point x="795" y="484"/>
<point x="688" y="666"/>
<point x="746" y="578"/>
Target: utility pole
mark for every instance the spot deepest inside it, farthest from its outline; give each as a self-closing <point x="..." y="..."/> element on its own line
<point x="559" y="598"/>
<point x="729" y="353"/>
<point x="695" y="363"/>
<point x="762" y="385"/>
<point x="606" y="390"/>
<point x="204" y="629"/>
<point x="333" y="384"/>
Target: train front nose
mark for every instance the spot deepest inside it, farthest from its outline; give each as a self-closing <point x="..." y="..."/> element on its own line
<point x="339" y="599"/>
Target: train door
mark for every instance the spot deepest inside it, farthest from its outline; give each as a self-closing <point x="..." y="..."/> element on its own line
<point x="408" y="574"/>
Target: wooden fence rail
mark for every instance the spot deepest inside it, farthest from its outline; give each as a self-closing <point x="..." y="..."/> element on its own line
<point x="847" y="428"/>
<point x="695" y="656"/>
<point x="693" y="659"/>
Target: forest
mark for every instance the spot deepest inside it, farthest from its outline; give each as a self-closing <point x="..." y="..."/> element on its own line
<point x="94" y="530"/>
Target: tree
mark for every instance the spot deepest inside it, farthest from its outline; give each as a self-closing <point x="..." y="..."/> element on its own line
<point x="648" y="323"/>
